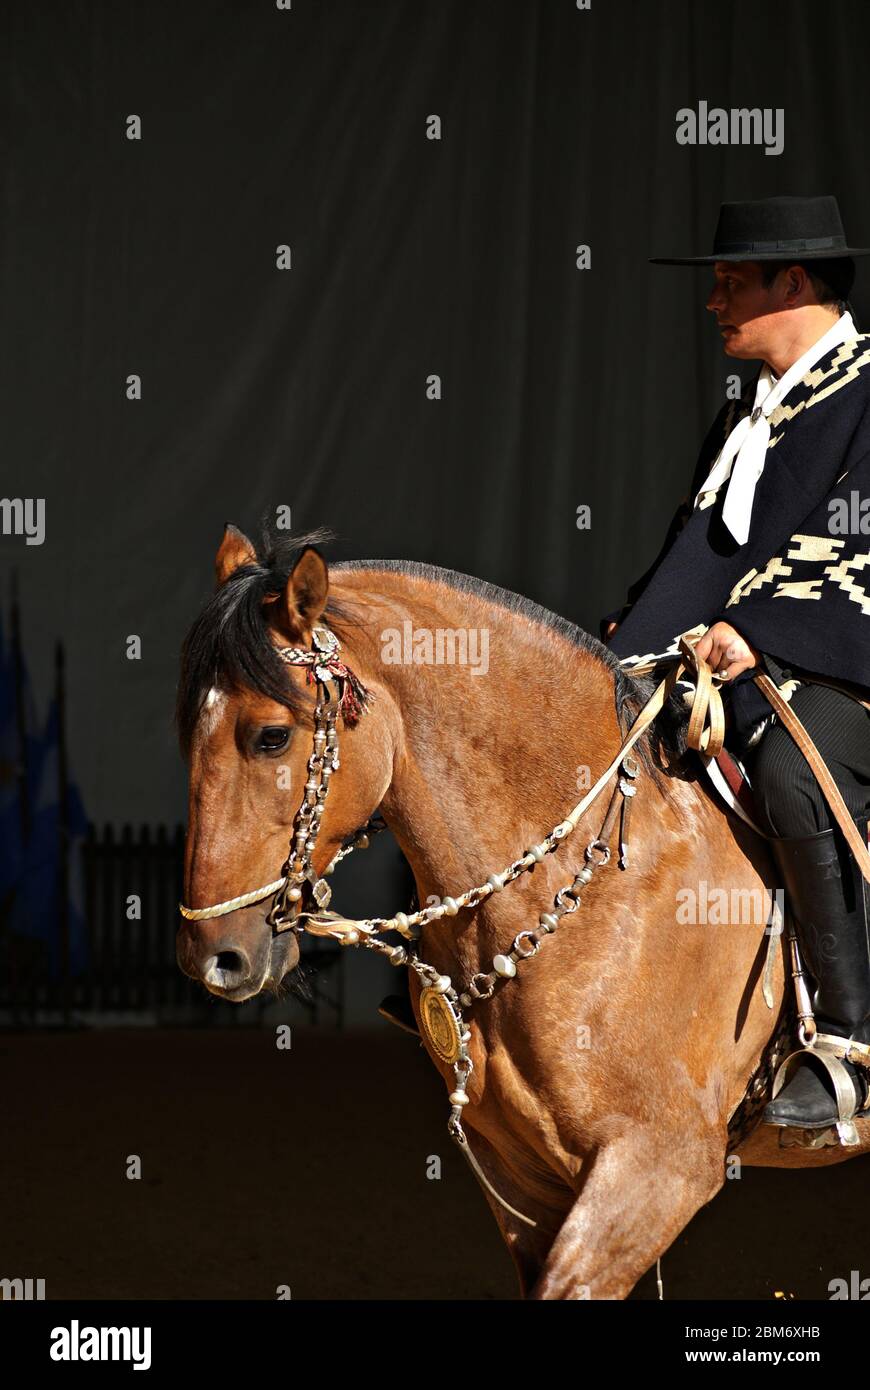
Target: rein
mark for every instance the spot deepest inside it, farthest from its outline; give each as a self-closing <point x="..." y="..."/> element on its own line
<point x="440" y="1003"/>
<point x="442" y="1006"/>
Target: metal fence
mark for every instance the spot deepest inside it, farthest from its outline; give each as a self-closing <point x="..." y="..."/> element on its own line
<point x="131" y="973"/>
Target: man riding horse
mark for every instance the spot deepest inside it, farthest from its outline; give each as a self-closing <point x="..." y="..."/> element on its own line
<point x="769" y="554"/>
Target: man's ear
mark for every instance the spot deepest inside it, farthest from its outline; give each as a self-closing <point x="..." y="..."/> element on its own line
<point x="796" y="282"/>
<point x="234" y="550"/>
<point x="297" y="609"/>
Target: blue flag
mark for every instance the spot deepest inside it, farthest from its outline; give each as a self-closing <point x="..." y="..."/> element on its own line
<point x="37" y="907"/>
<point x="12" y="755"/>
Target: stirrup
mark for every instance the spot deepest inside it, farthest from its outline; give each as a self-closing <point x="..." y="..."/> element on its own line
<point x="832" y="1051"/>
<point x="845" y="1048"/>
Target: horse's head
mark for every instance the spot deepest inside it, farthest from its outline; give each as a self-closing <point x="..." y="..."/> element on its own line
<point x="260" y="761"/>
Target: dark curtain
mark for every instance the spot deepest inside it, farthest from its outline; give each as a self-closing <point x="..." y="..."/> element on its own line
<point x="306" y="387"/>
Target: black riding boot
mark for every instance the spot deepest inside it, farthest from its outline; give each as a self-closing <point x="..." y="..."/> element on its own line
<point x="827" y="897"/>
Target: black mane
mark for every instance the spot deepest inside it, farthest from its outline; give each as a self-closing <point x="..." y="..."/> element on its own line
<point x="228" y="643"/>
<point x="666" y="739"/>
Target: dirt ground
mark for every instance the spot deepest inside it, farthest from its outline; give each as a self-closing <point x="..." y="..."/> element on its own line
<point x="307" y="1168"/>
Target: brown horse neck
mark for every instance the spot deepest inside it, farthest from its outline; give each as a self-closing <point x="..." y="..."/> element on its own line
<point x="486" y="763"/>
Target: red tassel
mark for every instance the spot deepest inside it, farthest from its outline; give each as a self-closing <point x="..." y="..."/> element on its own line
<point x="354" y="698"/>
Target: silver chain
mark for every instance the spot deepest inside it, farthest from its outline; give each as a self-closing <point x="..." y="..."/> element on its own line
<point x="298" y="870"/>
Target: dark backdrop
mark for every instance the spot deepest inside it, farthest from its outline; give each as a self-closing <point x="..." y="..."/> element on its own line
<point x="307" y="387"/>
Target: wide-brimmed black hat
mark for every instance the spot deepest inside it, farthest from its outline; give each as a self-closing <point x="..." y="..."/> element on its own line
<point x="775" y="229"/>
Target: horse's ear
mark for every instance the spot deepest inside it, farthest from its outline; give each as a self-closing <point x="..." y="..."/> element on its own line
<point x="300" y="605"/>
<point x="234" y="550"/>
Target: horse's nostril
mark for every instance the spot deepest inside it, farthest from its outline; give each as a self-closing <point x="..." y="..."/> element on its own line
<point x="227" y="969"/>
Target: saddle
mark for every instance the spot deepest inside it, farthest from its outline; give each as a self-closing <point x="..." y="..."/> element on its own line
<point x="706" y="728"/>
<point x="706" y="734"/>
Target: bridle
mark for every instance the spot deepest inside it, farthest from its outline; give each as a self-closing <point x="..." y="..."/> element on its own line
<point x="323" y="667"/>
<point x="442" y="1006"/>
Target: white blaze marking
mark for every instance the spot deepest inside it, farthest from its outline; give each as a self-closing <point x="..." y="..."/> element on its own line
<point x="212" y="711"/>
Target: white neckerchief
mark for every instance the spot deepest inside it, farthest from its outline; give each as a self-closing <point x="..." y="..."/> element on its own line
<point x="746" y="445"/>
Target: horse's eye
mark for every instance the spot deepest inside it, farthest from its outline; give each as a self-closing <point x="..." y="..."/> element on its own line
<point x="271" y="740"/>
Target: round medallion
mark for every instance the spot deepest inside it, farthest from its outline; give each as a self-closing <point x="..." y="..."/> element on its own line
<point x="324" y="639"/>
<point x="440" y="1025"/>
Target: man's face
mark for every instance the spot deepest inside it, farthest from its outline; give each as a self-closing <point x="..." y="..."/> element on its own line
<point x="750" y="314"/>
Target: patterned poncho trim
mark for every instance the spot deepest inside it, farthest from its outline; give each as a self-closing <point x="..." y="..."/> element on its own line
<point x="800" y="586"/>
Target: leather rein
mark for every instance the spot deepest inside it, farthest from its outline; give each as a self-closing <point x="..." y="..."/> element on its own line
<point x="442" y="1006"/>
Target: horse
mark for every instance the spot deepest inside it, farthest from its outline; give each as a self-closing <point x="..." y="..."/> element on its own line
<point x="622" y="1072"/>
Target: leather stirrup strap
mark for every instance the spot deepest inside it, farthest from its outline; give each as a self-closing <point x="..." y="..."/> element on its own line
<point x="706" y="732"/>
<point x="830" y="790"/>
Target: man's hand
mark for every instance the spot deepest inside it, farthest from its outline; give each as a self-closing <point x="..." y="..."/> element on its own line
<point x="727" y="653"/>
<point x="610" y="629"/>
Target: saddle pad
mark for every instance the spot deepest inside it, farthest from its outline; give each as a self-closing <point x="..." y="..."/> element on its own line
<point x="731" y="781"/>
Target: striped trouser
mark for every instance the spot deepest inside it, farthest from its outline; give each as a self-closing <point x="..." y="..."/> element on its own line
<point x="787" y="796"/>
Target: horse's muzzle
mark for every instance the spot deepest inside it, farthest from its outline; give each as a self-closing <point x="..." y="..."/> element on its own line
<point x="236" y="959"/>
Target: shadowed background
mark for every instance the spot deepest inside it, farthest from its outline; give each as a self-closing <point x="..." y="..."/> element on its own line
<point x="307" y="387"/>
